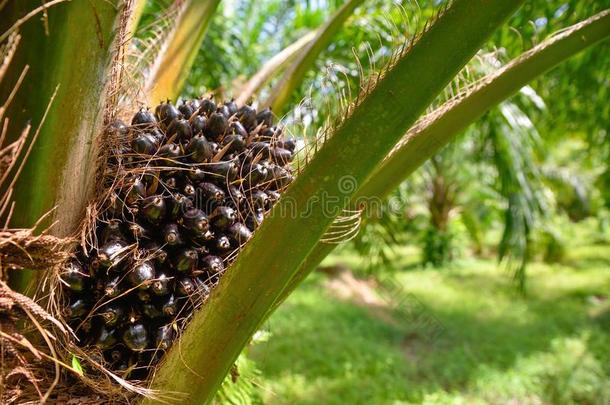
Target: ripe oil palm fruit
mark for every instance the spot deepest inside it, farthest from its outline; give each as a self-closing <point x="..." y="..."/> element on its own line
<point x="179" y="213"/>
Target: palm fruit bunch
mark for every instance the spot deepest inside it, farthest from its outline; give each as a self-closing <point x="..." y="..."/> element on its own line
<point x="189" y="186"/>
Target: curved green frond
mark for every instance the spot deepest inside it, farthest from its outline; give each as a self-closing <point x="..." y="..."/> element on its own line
<point x="178" y="54"/>
<point x="272" y="67"/>
<point x="236" y="308"/>
<point x="294" y="75"/>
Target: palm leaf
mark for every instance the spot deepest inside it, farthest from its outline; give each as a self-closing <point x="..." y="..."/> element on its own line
<point x="178" y="53"/>
<point x="272" y="67"/>
<point x="294" y="75"/>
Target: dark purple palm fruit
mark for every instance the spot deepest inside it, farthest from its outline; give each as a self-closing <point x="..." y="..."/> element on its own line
<point x="170" y="305"/>
<point x="178" y="205"/>
<point x="260" y="150"/>
<point x="152" y="250"/>
<point x="239" y="233"/>
<point x="111" y="287"/>
<point x="216" y="126"/>
<point x="135" y="190"/>
<point x="289" y="144"/>
<point x="235" y="143"/>
<point x="199" y="150"/>
<point x="166" y="113"/>
<point x="153" y="209"/>
<point x="273" y="196"/>
<point x="186" y="260"/>
<point x="210" y="195"/>
<point x="158" y="135"/>
<point x="111" y="253"/>
<point x="179" y="130"/>
<point x="186" y="286"/>
<point x="139" y="232"/>
<point x="171" y="235"/>
<point x="152" y="311"/>
<point x="194" y="104"/>
<point x="231" y="106"/>
<point x="280" y="177"/>
<point x="189" y="191"/>
<point x="111" y="313"/>
<point x="135" y="337"/>
<point x="142" y="275"/>
<point x="224" y="110"/>
<point x="186" y="109"/>
<point x="235" y="197"/>
<point x="255" y="218"/>
<point x="247" y="116"/>
<point x="143" y="119"/>
<point x="215" y="148"/>
<point x="207" y="106"/>
<point x="118" y="128"/>
<point x="212" y="264"/>
<point x="265" y="117"/>
<point x="222" y="217"/>
<point x="164" y="337"/>
<point x="236" y="127"/>
<point x="169" y="153"/>
<point x="222" y="244"/>
<point x="196" y="175"/>
<point x="281" y="156"/>
<point x="196" y="221"/>
<point x="161" y="285"/>
<point x="256" y="174"/>
<point x="77" y="309"/>
<point x="145" y="144"/>
<point x="259" y="199"/>
<point x="198" y="123"/>
<point x="106" y="338"/>
<point x="223" y="172"/>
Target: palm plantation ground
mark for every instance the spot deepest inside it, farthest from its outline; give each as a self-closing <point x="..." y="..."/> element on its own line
<point x="457" y="334"/>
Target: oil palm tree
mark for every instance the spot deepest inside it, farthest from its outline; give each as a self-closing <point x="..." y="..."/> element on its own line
<point x="365" y="153"/>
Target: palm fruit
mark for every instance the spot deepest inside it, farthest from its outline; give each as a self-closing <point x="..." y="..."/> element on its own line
<point x="197" y="124"/>
<point x="199" y="150"/>
<point x="191" y="185"/>
<point x="144" y="144"/>
<point x="186" y="109"/>
<point x="181" y="129"/>
<point x="166" y="113"/>
<point x="142" y="275"/>
<point x="135" y="337"/>
<point x="111" y="314"/>
<point x="143" y="119"/>
<point x="164" y="337"/>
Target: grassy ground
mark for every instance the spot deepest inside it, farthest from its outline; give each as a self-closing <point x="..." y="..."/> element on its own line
<point x="454" y="335"/>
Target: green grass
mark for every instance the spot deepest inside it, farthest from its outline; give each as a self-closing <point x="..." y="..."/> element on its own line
<point x="453" y="335"/>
